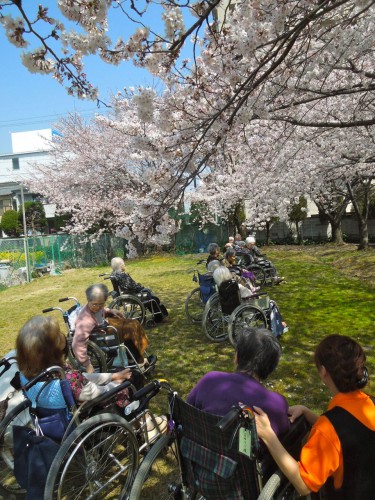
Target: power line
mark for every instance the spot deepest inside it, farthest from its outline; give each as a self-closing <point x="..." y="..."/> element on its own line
<point x="42" y="119"/>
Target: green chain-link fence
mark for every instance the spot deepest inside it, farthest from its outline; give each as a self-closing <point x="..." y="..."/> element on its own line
<point x="61" y="251"/>
<point x="80" y="251"/>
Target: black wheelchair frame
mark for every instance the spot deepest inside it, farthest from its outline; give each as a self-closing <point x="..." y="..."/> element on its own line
<point x="210" y="457"/>
<point x="100" y="450"/>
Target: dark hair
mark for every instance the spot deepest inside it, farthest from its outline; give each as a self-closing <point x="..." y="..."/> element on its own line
<point x="94" y="291"/>
<point x="344" y="359"/>
<point x="258" y="351"/>
<point x="230" y="252"/>
<point x="213" y="248"/>
<point x="39" y="345"/>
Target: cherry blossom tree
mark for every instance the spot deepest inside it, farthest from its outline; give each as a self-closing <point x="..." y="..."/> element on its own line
<point x="270" y="102"/>
<point x="106" y="175"/>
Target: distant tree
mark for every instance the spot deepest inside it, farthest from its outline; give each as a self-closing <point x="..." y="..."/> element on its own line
<point x="60" y="221"/>
<point x="268" y="224"/>
<point x="10" y="224"/>
<point x="237" y="216"/>
<point x="332" y="202"/>
<point x="361" y="190"/>
<point x="35" y="216"/>
<point x="298" y="214"/>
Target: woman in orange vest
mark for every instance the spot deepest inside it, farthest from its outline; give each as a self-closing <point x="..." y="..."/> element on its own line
<point x="340" y="451"/>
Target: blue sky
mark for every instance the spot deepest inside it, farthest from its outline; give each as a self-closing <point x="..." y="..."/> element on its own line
<point x="32" y="101"/>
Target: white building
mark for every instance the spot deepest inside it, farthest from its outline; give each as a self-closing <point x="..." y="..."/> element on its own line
<point x="28" y="148"/>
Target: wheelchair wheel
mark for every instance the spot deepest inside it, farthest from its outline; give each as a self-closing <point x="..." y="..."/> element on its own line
<point x="259" y="274"/>
<point x="9" y="488"/>
<point x="159" y="475"/>
<point x="245" y="315"/>
<point x="213" y="321"/>
<point x="194" y="306"/>
<point x="100" y="456"/>
<point x="130" y="306"/>
<point x="97" y="356"/>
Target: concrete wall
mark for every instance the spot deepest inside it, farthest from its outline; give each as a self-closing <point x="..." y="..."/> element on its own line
<point x="313" y="229"/>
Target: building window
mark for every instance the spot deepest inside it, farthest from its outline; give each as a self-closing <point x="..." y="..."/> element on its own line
<point x="16" y="163"/>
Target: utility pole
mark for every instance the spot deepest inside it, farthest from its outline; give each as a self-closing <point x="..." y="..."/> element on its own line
<point x="25" y="239"/>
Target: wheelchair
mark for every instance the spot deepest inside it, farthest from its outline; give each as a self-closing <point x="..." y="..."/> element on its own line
<point x="104" y="347"/>
<point x="203" y="456"/>
<point x="140" y="306"/>
<point x="225" y="312"/>
<point x="100" y="450"/>
<point x="262" y="269"/>
<point x="197" y="298"/>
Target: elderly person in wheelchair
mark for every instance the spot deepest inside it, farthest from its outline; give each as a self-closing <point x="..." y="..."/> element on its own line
<point x="40" y="344"/>
<point x="252" y="254"/>
<point x="86" y="450"/>
<point x="127" y="285"/>
<point x="94" y="314"/>
<point x="273" y="315"/>
<point x="257" y="355"/>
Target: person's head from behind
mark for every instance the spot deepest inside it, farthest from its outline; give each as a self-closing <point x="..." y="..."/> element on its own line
<point x="214" y="250"/>
<point x="117" y="264"/>
<point x="250" y="242"/>
<point x="221" y="274"/>
<point x="230" y="256"/>
<point x="344" y="360"/>
<point x="211" y="266"/>
<point x="97" y="296"/>
<point x="40" y="344"/>
<point x="257" y="352"/>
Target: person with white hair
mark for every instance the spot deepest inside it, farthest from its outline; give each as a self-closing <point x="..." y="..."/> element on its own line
<point x="222" y="274"/>
<point x="275" y="320"/>
<point x="230" y="243"/>
<point x="128" y="285"/>
<point x="255" y="256"/>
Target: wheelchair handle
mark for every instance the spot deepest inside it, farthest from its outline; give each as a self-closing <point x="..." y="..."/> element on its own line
<point x="152" y="386"/>
<point x="7" y="363"/>
<point x="64" y="299"/>
<point x="237" y="412"/>
<point x="43" y="374"/>
<point x="229" y="418"/>
<point x="49" y="309"/>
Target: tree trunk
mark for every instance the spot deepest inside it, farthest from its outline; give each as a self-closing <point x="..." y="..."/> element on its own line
<point x="268" y="230"/>
<point x="363" y="233"/>
<point x="362" y="215"/>
<point x="299" y="233"/>
<point x="334" y="217"/>
<point x="336" y="229"/>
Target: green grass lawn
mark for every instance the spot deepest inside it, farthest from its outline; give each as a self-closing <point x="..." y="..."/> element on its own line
<point x="328" y="290"/>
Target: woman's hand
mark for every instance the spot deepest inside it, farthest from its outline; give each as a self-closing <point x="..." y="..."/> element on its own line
<point x="90" y="368"/>
<point x="122" y="375"/>
<point x="116" y="313"/>
<point x="296" y="411"/>
<point x="263" y="424"/>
